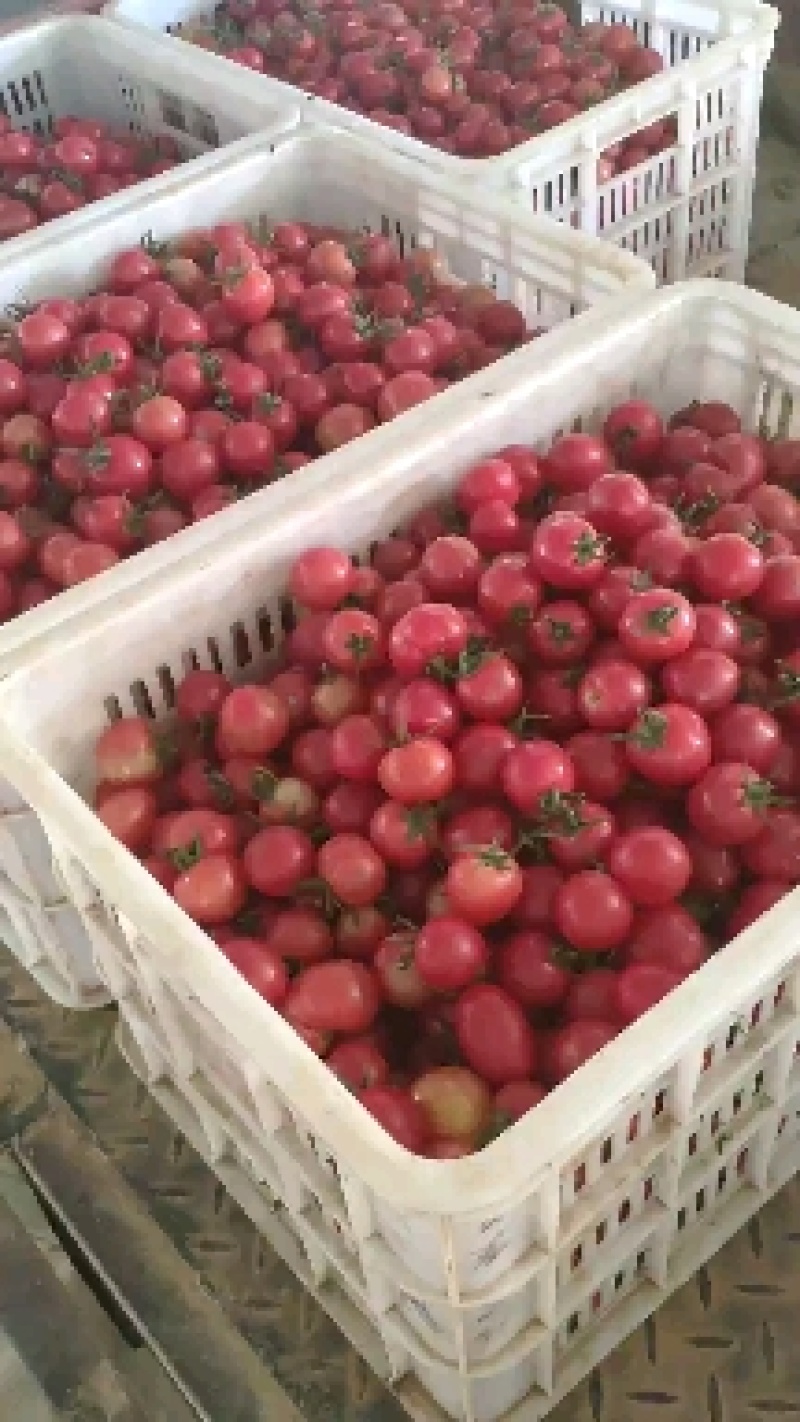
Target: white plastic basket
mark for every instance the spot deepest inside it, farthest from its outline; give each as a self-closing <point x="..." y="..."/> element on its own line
<point x="86" y="66"/>
<point x="333" y="178"/>
<point x="495" y="1282"/>
<point x="687" y="210"/>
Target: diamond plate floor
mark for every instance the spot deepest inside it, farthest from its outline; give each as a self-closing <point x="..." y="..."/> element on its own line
<point x="242" y="1341"/>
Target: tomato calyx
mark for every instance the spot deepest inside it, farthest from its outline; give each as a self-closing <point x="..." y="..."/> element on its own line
<point x="759" y="795"/>
<point x="519" y="616"/>
<point x="422" y="820"/>
<point x="788" y="690"/>
<point x="220" y="788"/>
<point x="317" y="893"/>
<point x="266" y="404"/>
<point x="561" y="633"/>
<point x="186" y="854"/>
<point x="563" y="955"/>
<point x="154" y="248"/>
<point x="70" y="180"/>
<point x="361" y="647"/>
<point x="469" y="660"/>
<point x="101" y="364"/>
<point x="649" y="731"/>
<point x="525" y="724"/>
<point x="588" y="548"/>
<point x="561" y="813"/>
<point x="708" y="910"/>
<point x="660" y="619"/>
<point x="694" y="514"/>
<point x="493" y="856"/>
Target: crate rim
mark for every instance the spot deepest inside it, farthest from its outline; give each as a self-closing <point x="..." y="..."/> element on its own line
<point x="520" y="1159"/>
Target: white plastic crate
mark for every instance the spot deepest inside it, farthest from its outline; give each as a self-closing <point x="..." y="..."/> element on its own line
<point x="332" y="178"/>
<point x="495" y="1283"/>
<point x="86" y="66"/>
<point x="687" y="210"/>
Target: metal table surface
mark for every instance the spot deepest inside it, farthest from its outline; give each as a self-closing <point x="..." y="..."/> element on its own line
<point x="162" y="1267"/>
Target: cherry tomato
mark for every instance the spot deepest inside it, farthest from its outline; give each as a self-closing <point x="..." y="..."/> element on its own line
<point x="669" y="745"/>
<point x="213" y="890"/>
<point x="633" y="430"/>
<point x="656" y="625"/>
<point x="567" y="553"/>
<point x="419" y="772"/>
<point x="335" y="996"/>
<point x="430" y="634"/>
<point x="573" y="1045"/>
<point x="300" y="935"/>
<point x="612" y="695"/>
<point x="354" y="871"/>
<point x="483" y="886"/>
<point x="592" y="911"/>
<point x="395" y="965"/>
<point x="533" y="769"/>
<point x="651" y="865"/>
<point x="528" y="969"/>
<point x="321" y="579"/>
<point x="775" y="851"/>
<point x="260" y="966"/>
<point x="278" y="859"/>
<point x="399" y="1114"/>
<point x="456" y="1103"/>
<point x="704" y="679"/>
<point x="359" y="1064"/>
<point x="127" y="752"/>
<point x="129" y="815"/>
<point x="640" y="986"/>
<point x="450" y="954"/>
<point x="729" y="803"/>
<point x="668" y="937"/>
<point x="495" y="1038"/>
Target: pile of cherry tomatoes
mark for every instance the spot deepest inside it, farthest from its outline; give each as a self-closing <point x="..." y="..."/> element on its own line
<point x="203" y="370"/>
<point x="511" y="780"/>
<point x="42" y="177"/>
<point x="470" y="77"/>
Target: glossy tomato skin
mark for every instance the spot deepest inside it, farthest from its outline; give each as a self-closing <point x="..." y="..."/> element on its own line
<point x="567" y="552"/>
<point x="639" y="987"/>
<point x="656" y="625"/>
<point x="514" y="1101"/>
<point x="747" y="733"/>
<point x="668" y="937"/>
<point x="612" y="695"/>
<point x="399" y="1114"/>
<point x="260" y="966"/>
<point x="775" y="851"/>
<point x="359" y="1064"/>
<point x="528" y="969"/>
<point x="494" y="1035"/>
<point x="651" y="864"/>
<point x="669" y="745"/>
<point x="728" y="805"/>
<point x="593" y="912"/>
<point x="339" y="996"/>
<point x="450" y="954"/>
<point x="212" y="891"/>
<point x="456" y="1103"/>
<point x="704" y="679"/>
<point x="575" y="1044"/>
<point x="533" y="769"/>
